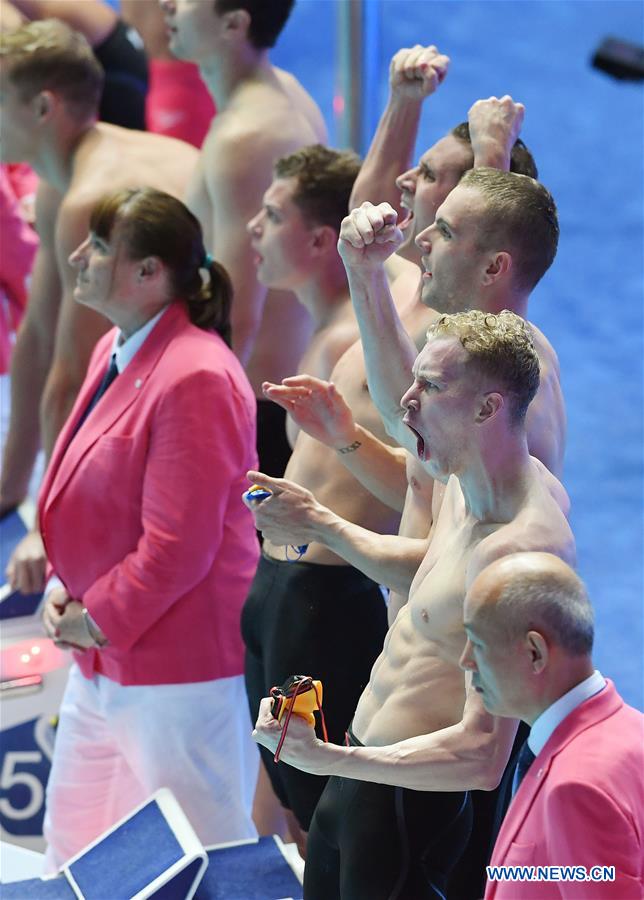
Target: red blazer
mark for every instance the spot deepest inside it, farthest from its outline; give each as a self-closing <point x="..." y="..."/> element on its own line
<point x="581" y="803"/>
<point x="141" y="512"/>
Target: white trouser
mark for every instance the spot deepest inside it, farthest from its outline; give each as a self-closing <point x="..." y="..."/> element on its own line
<point x="116" y="745"/>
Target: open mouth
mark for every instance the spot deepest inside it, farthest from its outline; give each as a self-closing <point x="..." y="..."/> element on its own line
<point x="407" y="214"/>
<point x="406" y="221"/>
<point x="421" y="449"/>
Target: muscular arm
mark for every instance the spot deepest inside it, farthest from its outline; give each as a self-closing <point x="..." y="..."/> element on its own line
<point x="368" y="237"/>
<point x="389" y="351"/>
<point x="470" y="755"/>
<point x="318" y="408"/>
<point x="414" y="74"/>
<point x="91" y="17"/>
<point x="378" y="467"/>
<point x="292" y="515"/>
<point x="32" y="357"/>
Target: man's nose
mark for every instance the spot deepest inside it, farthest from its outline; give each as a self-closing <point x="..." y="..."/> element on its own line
<point x="466" y="661"/>
<point x="77" y="257"/>
<point x="253" y="227"/>
<point x="423" y="240"/>
<point x="407" y="181"/>
<point x="408" y="400"/>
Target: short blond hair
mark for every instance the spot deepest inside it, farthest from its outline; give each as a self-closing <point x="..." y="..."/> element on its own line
<point x="500" y="346"/>
<point x="48" y="55"/>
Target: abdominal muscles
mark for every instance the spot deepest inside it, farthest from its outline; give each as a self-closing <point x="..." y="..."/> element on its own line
<point x="413" y="690"/>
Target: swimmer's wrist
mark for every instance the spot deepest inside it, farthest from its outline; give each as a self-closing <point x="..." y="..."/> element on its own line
<point x="401" y="103"/>
<point x="491" y="152"/>
<point x="349" y="442"/>
<point x="349" y="448"/>
<point x="322" y="524"/>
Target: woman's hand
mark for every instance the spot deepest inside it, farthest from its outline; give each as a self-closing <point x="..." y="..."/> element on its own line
<point x="64" y="621"/>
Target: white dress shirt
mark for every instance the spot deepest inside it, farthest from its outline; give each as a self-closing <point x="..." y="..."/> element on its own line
<point x="550" y="718"/>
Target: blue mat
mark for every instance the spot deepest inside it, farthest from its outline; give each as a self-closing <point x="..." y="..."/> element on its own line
<point x="248" y="872"/>
<point x="95" y="873"/>
<point x="37" y="889"/>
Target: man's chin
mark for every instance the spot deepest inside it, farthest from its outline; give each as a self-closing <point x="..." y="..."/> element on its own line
<point x="428" y="296"/>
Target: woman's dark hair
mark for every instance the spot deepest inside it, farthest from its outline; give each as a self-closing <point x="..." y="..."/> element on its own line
<point x="152" y="223"/>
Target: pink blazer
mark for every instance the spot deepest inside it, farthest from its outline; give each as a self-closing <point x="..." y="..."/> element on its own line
<point x="141" y="512"/>
<point x="581" y="803"/>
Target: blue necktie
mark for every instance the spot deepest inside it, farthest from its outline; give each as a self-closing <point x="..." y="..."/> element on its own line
<point x="108" y="378"/>
<point x="525" y="760"/>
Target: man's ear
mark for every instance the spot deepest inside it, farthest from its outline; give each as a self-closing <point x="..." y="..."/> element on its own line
<point x="236" y="23"/>
<point x="490" y="404"/>
<point x="325" y="239"/>
<point x="43" y="105"/>
<point x="538" y="650"/>
<point x="498" y="266"/>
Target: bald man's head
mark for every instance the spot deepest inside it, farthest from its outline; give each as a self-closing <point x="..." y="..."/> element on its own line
<point x="529" y="626"/>
<point x="534" y="591"/>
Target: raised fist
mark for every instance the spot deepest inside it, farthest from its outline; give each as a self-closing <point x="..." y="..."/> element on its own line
<point x="416" y="72"/>
<point x="494" y="124"/>
<point x="368" y="236"/>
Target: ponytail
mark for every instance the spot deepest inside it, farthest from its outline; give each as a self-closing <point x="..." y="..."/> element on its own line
<point x="209" y="308"/>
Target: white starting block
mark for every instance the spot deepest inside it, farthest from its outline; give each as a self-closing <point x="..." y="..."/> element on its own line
<point x="154" y="853"/>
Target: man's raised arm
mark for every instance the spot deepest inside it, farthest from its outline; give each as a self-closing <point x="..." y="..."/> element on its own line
<point x="368" y="236"/>
<point x="318" y="408"/>
<point x="494" y="126"/>
<point x="414" y="74"/>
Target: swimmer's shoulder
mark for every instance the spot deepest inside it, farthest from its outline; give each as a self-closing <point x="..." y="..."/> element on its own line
<point x="305" y="104"/>
<point x="539" y="526"/>
<point x="548" y="359"/>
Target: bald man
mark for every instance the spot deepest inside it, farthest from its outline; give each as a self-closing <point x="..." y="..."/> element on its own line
<point x="579" y="783"/>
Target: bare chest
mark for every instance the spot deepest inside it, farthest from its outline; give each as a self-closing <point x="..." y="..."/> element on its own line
<point x="438" y="590"/>
<point x="350" y="377"/>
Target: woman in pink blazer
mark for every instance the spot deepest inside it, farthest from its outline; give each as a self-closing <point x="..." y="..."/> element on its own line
<point x="149" y="544"/>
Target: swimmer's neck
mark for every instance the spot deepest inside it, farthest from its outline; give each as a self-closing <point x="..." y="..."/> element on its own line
<point x="496" y="478"/>
<point x="224" y="75"/>
<point x="324" y="295"/>
<point x="493" y="302"/>
<point x="54" y="159"/>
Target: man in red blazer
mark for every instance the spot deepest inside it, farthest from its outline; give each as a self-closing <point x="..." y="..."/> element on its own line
<point x="579" y="799"/>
